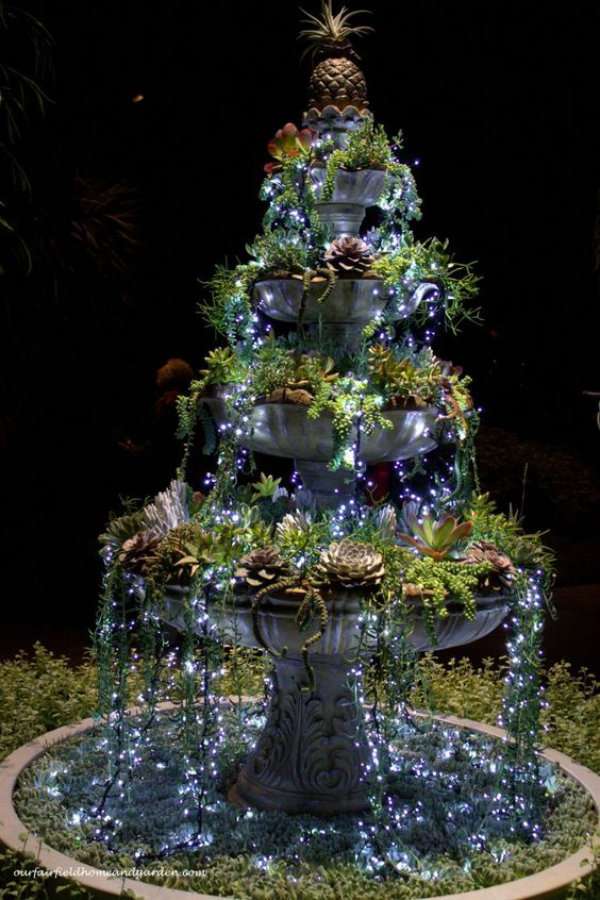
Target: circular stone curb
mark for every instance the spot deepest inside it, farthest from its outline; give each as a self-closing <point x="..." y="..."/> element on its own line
<point x="545" y="885"/>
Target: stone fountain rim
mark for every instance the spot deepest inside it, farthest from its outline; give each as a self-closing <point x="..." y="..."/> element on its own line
<point x="17" y="837"/>
<point x="346" y="598"/>
<point x="364" y="279"/>
<point x="428" y="410"/>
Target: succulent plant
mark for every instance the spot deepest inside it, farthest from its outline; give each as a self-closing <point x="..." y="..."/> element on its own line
<point x="176" y="374"/>
<point x="312" y="374"/>
<point x="267" y="488"/>
<point x="221" y="366"/>
<point x="169" y="509"/>
<point x="387" y="522"/>
<point x="291" y="524"/>
<point x="138" y="552"/>
<point x="402" y="380"/>
<point x="351" y="564"/>
<point x="199" y="549"/>
<point x="502" y="572"/>
<point x="433" y="537"/>
<point x="123" y="528"/>
<point x="349" y="256"/>
<point x="289" y="142"/>
<point x="291" y="395"/>
<point x="263" y="567"/>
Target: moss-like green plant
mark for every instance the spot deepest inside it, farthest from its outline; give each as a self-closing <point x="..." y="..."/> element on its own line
<point x="430" y="261"/>
<point x="507" y="533"/>
<point x="228" y="308"/>
<point x="368" y="147"/>
<point x="280" y="253"/>
<point x="222" y="367"/>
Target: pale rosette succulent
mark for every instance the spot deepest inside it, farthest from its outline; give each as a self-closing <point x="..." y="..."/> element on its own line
<point x="292" y="524"/>
<point x="351" y="564"/>
<point x="502" y="573"/>
<point x="387" y="522"/>
<point x="263" y="567"/>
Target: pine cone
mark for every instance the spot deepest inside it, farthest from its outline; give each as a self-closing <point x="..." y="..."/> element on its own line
<point x="351" y="563"/>
<point x="262" y="567"/>
<point x="349" y="256"/>
<point x="137" y="553"/>
<point x="503" y="572"/>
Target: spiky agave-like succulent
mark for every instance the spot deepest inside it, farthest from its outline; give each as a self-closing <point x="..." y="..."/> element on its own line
<point x="123" y="528"/>
<point x="199" y="549"/>
<point x="351" y="564"/>
<point x="267" y="488"/>
<point x="169" y="509"/>
<point x="336" y="80"/>
<point x="386" y="520"/>
<point x="330" y="28"/>
<point x="292" y="524"/>
<point x="433" y="537"/>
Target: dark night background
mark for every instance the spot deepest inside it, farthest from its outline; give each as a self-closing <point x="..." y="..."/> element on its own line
<point x="497" y="100"/>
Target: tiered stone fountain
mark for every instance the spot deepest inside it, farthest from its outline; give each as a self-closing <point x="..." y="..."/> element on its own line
<point x="313" y="756"/>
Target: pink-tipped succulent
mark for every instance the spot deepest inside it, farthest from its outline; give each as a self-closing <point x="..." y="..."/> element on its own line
<point x="289" y="143"/>
<point x="433" y="537"/>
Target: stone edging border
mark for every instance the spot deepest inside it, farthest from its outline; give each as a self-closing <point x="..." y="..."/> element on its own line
<point x="544" y="885"/>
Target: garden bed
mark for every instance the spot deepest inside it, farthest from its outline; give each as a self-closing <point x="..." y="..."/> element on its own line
<point x="61" y="690"/>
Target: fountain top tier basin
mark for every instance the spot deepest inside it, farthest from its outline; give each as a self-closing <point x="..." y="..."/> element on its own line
<point x="363" y="187"/>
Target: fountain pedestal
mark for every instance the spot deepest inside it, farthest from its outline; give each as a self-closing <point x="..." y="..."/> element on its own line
<point x="312" y="756"/>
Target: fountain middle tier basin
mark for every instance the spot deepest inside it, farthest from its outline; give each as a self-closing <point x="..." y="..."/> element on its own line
<point x="285" y="430"/>
<point x="353" y="193"/>
<point x="351" y="301"/>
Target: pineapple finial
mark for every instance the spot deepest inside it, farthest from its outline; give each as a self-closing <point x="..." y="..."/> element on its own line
<point x="337" y="80"/>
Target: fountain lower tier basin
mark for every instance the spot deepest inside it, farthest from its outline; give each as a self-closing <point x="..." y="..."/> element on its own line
<point x="350" y="302"/>
<point x="313" y="755"/>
